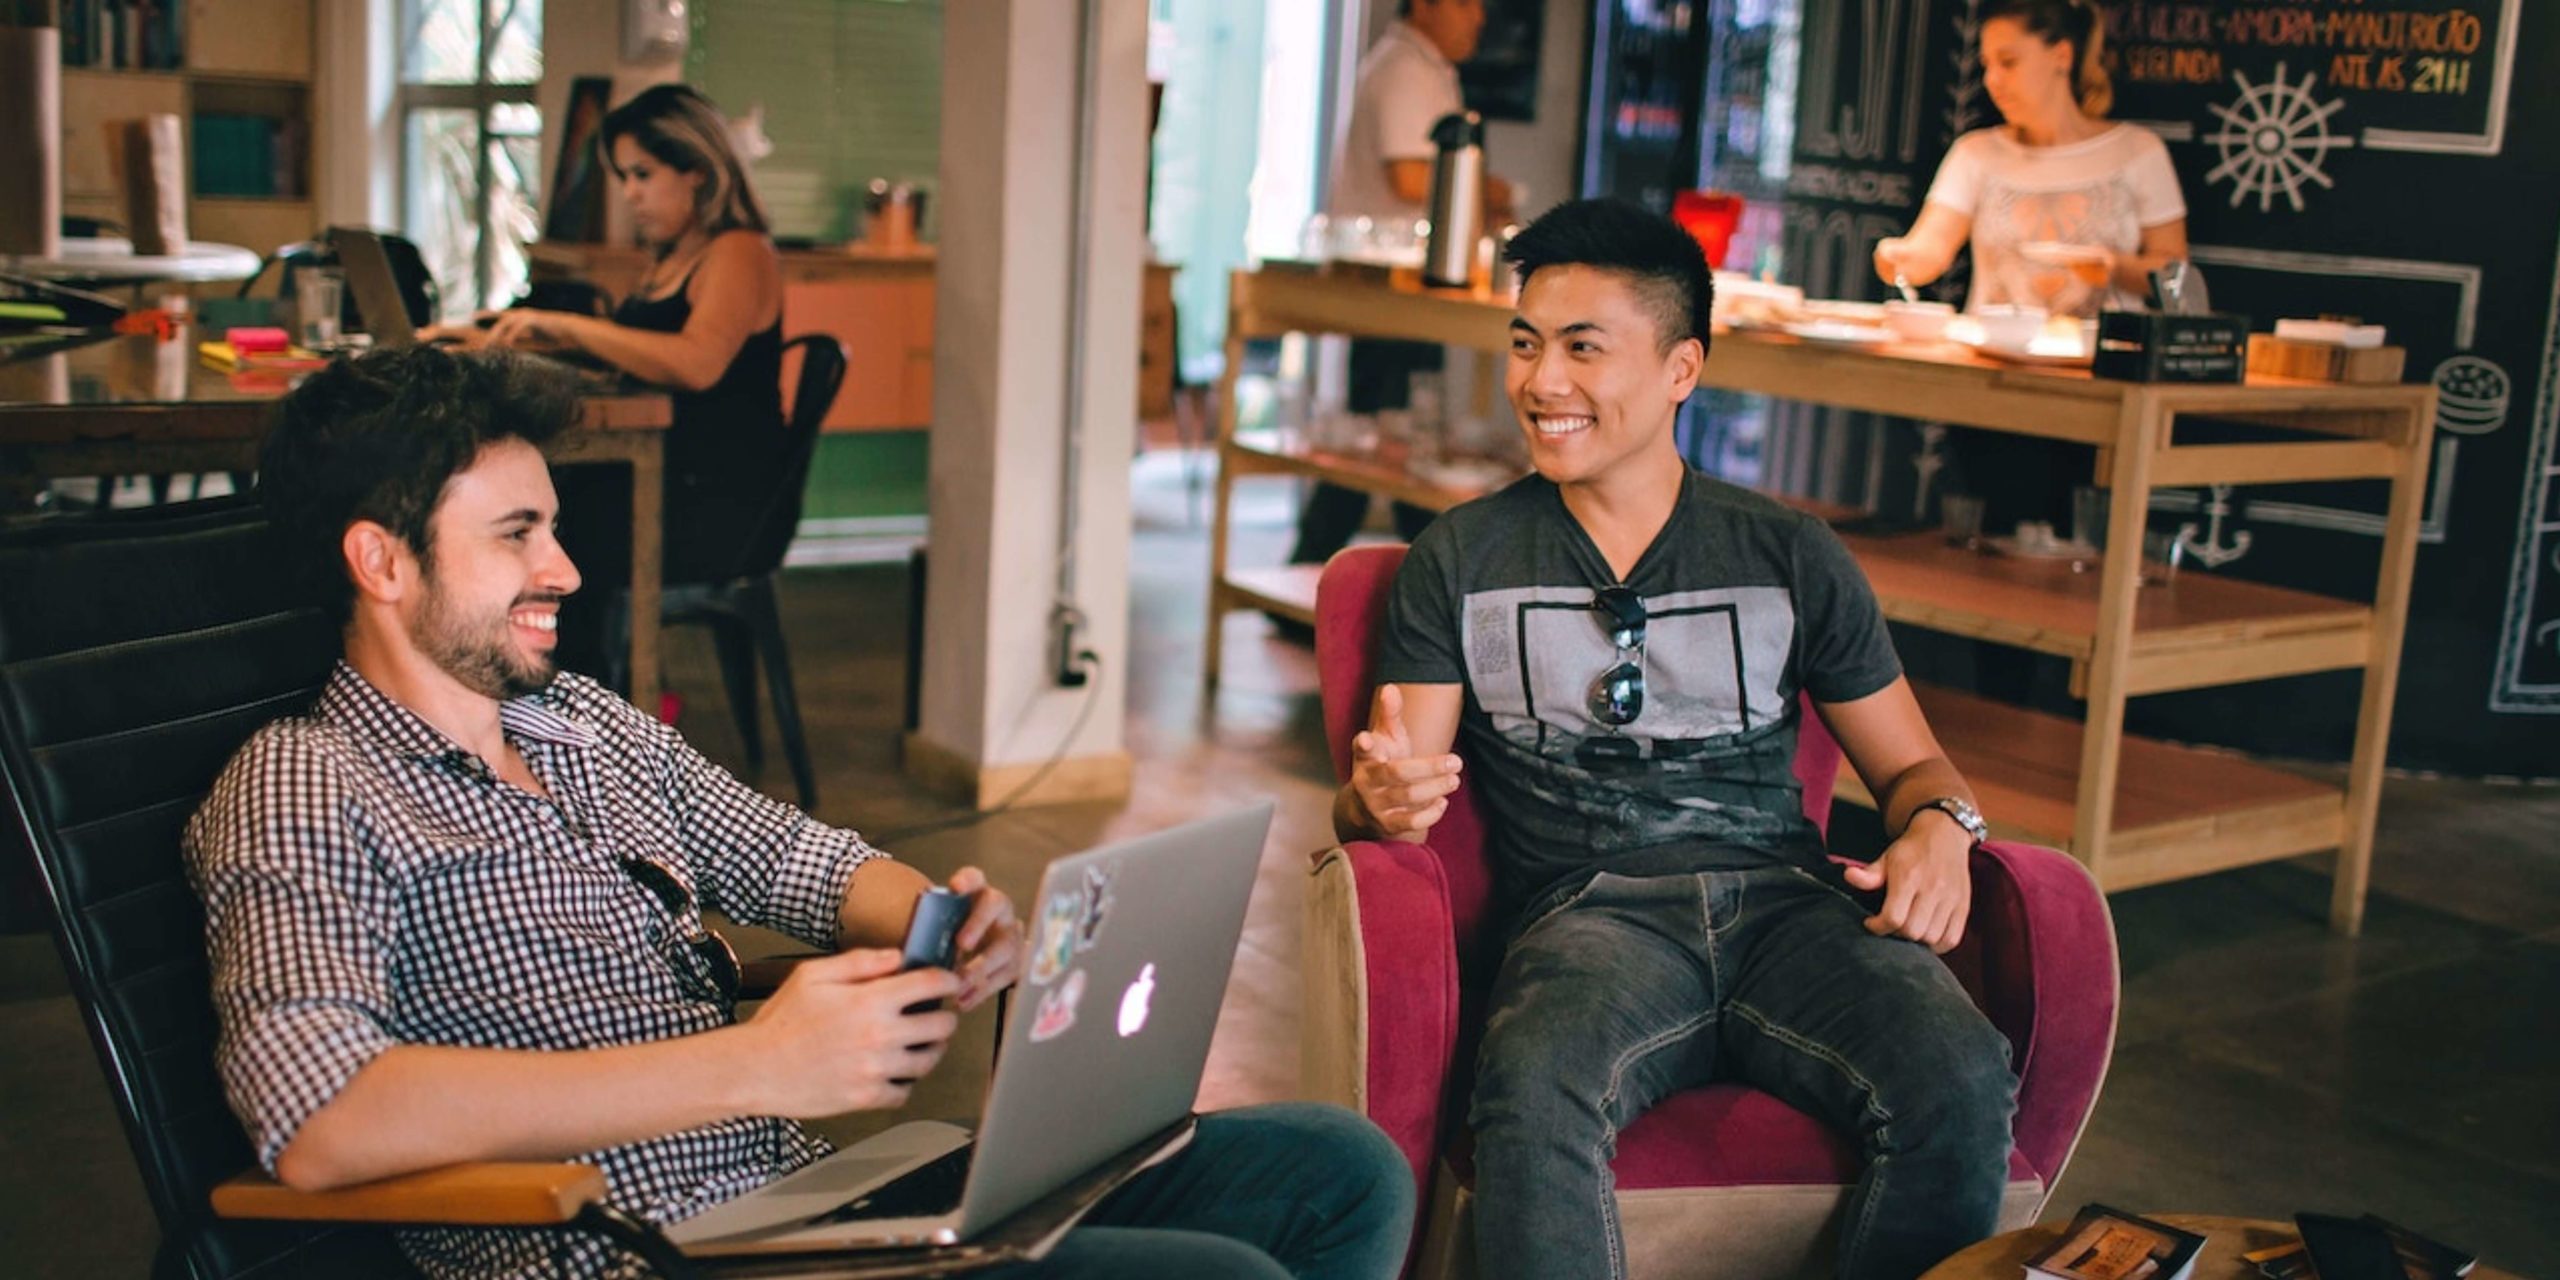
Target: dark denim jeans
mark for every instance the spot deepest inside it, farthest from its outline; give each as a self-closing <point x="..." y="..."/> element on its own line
<point x="1289" y="1189"/>
<point x="1633" y="989"/>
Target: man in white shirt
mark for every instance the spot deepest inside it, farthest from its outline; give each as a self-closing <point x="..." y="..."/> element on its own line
<point x="1382" y="171"/>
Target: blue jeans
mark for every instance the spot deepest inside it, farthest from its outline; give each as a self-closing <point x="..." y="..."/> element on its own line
<point x="1630" y="990"/>
<point x="1290" y="1189"/>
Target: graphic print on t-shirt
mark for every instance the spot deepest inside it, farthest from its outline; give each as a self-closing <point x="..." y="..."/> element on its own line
<point x="1712" y="661"/>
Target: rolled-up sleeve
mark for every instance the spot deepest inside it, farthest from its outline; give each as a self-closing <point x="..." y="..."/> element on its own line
<point x="295" y="926"/>
<point x="756" y="859"/>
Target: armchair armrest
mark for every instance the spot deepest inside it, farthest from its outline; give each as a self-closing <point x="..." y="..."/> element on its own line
<point x="2045" y="947"/>
<point x="477" y="1195"/>
<point x="1381" y="1003"/>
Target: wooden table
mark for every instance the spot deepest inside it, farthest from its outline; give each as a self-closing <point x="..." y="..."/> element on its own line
<point x="2004" y="1257"/>
<point x="136" y="405"/>
<point x="2135" y="812"/>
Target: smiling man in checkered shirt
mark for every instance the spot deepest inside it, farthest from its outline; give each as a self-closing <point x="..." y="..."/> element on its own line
<point x="455" y="909"/>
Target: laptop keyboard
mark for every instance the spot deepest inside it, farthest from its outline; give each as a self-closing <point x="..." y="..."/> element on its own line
<point x="922" y="1192"/>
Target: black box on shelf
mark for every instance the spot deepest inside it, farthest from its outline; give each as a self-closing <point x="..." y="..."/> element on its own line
<point x="2153" y="346"/>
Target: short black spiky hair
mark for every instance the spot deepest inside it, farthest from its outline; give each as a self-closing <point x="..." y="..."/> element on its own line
<point x="1663" y="262"/>
<point x="377" y="438"/>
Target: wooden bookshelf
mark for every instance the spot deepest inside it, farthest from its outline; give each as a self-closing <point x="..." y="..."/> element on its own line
<point x="2136" y="811"/>
<point x="242" y="58"/>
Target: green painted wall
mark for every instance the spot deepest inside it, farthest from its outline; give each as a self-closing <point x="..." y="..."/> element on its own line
<point x="852" y="90"/>
<point x="867" y="473"/>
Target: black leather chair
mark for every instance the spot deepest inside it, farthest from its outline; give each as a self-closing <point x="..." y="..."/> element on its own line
<point x="138" y="650"/>
<point x="739" y="606"/>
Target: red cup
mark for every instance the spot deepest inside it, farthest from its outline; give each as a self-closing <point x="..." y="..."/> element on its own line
<point x="1710" y="217"/>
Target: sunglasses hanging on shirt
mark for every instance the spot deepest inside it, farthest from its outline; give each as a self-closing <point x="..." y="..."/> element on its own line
<point x="1616" y="696"/>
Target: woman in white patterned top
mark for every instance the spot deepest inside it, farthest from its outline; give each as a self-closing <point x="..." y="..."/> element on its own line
<point x="2056" y="171"/>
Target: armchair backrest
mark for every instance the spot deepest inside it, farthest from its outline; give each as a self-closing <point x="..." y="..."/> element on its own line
<point x="1351" y="611"/>
<point x="138" y="650"/>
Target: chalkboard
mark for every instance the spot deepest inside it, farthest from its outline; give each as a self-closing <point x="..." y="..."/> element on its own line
<point x="1501" y="80"/>
<point x="2278" y="88"/>
<point x="2377" y="158"/>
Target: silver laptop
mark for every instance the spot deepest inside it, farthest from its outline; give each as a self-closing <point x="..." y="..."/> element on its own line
<point x="1102" y="1050"/>
<point x="375" y="287"/>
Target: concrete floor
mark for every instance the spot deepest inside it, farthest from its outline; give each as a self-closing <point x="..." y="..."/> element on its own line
<point x="2264" y="1065"/>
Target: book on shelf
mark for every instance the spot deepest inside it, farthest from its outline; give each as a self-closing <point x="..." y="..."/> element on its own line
<point x="124" y="35"/>
<point x="2110" y="1244"/>
<point x="2422" y="1257"/>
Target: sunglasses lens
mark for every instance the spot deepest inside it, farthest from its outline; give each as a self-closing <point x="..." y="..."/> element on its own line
<point x="718" y="960"/>
<point x="1625" y="614"/>
<point x="1617" y="697"/>
<point x="722" y="963"/>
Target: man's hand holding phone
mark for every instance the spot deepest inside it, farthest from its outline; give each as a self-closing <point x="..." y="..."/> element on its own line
<point x="970" y="929"/>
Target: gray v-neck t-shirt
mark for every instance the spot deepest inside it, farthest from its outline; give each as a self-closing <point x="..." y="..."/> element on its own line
<point x="1748" y="603"/>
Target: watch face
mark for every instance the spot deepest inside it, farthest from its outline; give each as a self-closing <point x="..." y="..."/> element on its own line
<point x="1966" y="816"/>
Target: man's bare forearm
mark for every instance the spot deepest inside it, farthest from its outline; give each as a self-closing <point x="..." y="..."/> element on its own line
<point x="878" y="902"/>
<point x="1918" y="785"/>
<point x="420" y="1106"/>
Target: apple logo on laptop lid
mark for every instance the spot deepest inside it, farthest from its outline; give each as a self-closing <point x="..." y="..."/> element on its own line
<point x="1133" y="1002"/>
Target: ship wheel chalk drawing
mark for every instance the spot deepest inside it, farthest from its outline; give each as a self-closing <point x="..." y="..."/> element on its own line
<point x="2274" y="137"/>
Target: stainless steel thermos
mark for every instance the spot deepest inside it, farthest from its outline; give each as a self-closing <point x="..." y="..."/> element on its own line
<point x="1457" y="199"/>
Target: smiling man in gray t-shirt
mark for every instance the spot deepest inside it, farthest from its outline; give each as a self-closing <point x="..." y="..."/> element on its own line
<point x="1619" y="646"/>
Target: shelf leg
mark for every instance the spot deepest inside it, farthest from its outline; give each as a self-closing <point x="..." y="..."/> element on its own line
<point x="2381" y="675"/>
<point x="1213" y="637"/>
<point x="2143" y="426"/>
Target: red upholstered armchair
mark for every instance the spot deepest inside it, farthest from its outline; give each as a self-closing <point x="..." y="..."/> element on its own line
<point x="1723" y="1180"/>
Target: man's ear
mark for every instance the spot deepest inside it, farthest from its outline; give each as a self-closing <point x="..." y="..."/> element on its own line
<point x="1688" y="360"/>
<point x="379" y="562"/>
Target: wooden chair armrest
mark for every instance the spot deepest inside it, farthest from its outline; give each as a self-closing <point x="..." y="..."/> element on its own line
<point x="491" y="1194"/>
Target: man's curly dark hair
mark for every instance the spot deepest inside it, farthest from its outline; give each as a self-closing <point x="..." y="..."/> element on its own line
<point x="378" y="437"/>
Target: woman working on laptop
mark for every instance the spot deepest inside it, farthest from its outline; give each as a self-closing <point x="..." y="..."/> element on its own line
<point x="706" y="321"/>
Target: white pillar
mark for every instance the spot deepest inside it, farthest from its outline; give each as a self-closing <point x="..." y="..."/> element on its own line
<point x="1008" y="355"/>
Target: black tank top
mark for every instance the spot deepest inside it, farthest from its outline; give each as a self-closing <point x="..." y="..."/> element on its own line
<point x="725" y="449"/>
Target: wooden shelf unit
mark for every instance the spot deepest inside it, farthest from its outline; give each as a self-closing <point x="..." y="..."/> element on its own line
<point x="243" y="57"/>
<point x="2135" y="811"/>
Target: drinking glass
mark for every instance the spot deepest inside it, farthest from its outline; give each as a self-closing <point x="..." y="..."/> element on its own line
<point x="1960" y="517"/>
<point x="318" y="294"/>
<point x="2089" y="516"/>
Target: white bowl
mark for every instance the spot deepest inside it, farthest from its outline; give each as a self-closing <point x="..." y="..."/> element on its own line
<point x="1918" y="321"/>
<point x="2009" y="326"/>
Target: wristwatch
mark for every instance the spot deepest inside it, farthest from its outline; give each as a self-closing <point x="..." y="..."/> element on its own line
<point x="1965" y="814"/>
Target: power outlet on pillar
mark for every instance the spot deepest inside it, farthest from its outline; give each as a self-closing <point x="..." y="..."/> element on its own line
<point x="1069" y="661"/>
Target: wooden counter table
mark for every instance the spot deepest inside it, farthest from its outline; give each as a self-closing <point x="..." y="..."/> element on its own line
<point x="2135" y="812"/>
<point x="137" y="405"/>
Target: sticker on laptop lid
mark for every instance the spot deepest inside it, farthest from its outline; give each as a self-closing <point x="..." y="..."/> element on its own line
<point x="1095" y="907"/>
<point x="1057" y="1011"/>
<point x="1055" y="946"/>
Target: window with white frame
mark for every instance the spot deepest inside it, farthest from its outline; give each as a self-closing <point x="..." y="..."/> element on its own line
<point x="471" y="143"/>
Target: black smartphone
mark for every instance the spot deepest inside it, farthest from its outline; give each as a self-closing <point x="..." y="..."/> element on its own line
<point x="933" y="932"/>
<point x="2348" y="1248"/>
<point x="933" y="938"/>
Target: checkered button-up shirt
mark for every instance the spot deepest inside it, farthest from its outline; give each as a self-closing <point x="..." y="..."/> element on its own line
<point x="367" y="883"/>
